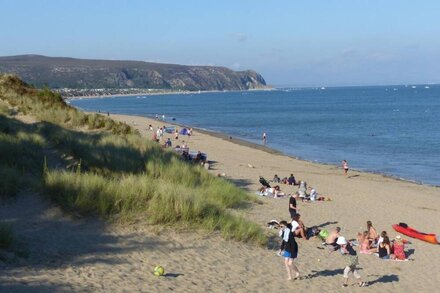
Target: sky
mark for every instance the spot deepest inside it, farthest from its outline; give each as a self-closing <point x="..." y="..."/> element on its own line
<point x="291" y="43"/>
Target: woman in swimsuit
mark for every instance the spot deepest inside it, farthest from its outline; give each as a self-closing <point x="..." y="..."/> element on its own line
<point x="384" y="248"/>
<point x="372" y="233"/>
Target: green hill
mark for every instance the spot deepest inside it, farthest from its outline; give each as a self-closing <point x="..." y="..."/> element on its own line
<point x="58" y="72"/>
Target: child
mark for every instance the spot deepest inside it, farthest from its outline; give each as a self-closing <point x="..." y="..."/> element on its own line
<point x="399" y="249"/>
<point x="290" y="248"/>
<point x="352" y="261"/>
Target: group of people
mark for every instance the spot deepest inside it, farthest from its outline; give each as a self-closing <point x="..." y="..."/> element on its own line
<point x="289" y="248"/>
<point x="286" y="180"/>
<point x="183" y="149"/>
<point x="370" y="242"/>
<point x="306" y="194"/>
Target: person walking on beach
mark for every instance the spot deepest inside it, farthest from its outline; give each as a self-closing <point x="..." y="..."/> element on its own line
<point x="345" y="167"/>
<point x="352" y="261"/>
<point x="290" y="248"/>
<point x="264" y="138"/>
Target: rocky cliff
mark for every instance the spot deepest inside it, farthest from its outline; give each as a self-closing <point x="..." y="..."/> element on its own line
<point x="57" y="72"/>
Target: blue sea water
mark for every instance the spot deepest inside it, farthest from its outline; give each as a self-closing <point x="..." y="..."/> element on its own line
<point x="393" y="130"/>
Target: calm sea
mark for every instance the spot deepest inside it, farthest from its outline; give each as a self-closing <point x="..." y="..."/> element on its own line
<point x="393" y="130"/>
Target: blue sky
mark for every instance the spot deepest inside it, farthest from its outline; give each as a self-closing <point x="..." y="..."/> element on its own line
<point x="302" y="43"/>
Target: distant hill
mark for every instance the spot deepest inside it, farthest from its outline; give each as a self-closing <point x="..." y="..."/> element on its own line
<point x="60" y="72"/>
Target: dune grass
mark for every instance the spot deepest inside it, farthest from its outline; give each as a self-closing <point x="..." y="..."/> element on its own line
<point x="20" y="153"/>
<point x="158" y="201"/>
<point x="49" y="106"/>
<point x="121" y="176"/>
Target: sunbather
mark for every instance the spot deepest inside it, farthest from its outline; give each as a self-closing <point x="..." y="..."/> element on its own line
<point x="332" y="237"/>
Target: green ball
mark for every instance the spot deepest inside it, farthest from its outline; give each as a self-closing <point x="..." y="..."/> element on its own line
<point x="159" y="271"/>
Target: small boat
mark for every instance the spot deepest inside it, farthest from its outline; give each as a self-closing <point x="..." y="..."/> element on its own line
<point x="411" y="232"/>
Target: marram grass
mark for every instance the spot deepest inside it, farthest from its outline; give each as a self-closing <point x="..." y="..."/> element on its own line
<point x="154" y="199"/>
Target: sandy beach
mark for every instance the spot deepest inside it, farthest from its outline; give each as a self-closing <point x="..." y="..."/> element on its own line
<point x="87" y="255"/>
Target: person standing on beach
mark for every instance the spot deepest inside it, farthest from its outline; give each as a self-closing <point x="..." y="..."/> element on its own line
<point x="345" y="167"/>
<point x="292" y="206"/>
<point x="176" y="134"/>
<point x="290" y="248"/>
<point x="352" y="261"/>
<point x="264" y="138"/>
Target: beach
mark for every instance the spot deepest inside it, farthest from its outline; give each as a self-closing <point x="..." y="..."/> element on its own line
<point x="356" y="199"/>
<point x="87" y="255"/>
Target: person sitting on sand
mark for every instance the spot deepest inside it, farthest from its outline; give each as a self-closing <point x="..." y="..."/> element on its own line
<point x="186" y="156"/>
<point x="290" y="248"/>
<point x="302" y="189"/>
<point x="168" y="143"/>
<point x="311" y="195"/>
<point x="352" y="261"/>
<point x="276" y="179"/>
<point x="291" y="180"/>
<point x="364" y="243"/>
<point x="270" y="192"/>
<point x="399" y="249"/>
<point x="384" y="248"/>
<point x="380" y="238"/>
<point x="332" y="237"/>
<point x="198" y="157"/>
<point x="300" y="230"/>
<point x="277" y="192"/>
<point x="372" y="233"/>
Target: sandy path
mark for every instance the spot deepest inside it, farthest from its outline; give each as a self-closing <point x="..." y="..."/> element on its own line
<point x="85" y="255"/>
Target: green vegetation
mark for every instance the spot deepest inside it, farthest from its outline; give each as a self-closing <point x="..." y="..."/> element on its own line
<point x="117" y="174"/>
<point x="49" y="106"/>
<point x="6" y="236"/>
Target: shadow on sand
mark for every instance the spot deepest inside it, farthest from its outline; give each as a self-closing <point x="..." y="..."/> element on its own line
<point x="384" y="279"/>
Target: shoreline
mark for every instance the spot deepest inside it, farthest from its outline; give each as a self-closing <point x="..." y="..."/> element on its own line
<point x="269" y="88"/>
<point x="270" y="150"/>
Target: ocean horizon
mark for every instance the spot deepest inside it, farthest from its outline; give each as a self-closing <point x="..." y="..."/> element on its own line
<point x="391" y="130"/>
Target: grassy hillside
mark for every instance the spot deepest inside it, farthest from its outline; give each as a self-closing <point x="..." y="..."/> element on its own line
<point x="111" y="171"/>
<point x="59" y="72"/>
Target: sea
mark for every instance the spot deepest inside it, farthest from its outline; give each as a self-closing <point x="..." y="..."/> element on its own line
<point x="391" y="130"/>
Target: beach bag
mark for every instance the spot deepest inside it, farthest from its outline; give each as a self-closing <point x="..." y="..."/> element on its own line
<point x="323" y="234"/>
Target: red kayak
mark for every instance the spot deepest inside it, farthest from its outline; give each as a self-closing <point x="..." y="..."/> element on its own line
<point x="408" y="231"/>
